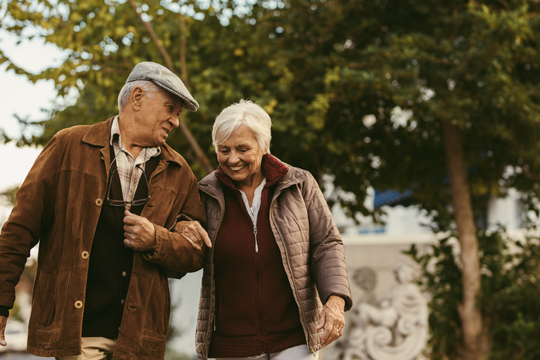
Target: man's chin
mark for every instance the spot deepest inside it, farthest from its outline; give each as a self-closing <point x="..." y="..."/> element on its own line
<point x="161" y="141"/>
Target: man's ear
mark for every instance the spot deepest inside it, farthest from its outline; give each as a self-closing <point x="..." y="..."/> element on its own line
<point x="136" y="98"/>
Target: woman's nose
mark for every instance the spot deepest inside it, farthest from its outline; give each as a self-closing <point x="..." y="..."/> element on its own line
<point x="233" y="157"/>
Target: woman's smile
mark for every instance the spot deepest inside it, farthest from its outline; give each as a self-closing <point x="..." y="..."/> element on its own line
<point x="237" y="168"/>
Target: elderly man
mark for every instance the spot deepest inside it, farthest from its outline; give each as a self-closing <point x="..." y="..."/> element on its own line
<point x="114" y="208"/>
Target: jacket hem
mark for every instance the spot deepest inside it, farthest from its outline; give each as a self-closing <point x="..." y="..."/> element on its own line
<point x="53" y="353"/>
<point x="222" y="347"/>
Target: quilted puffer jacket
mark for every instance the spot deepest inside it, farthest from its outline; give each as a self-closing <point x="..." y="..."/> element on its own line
<point x="310" y="245"/>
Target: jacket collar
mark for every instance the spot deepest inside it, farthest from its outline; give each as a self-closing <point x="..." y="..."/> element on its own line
<point x="214" y="187"/>
<point x="100" y="135"/>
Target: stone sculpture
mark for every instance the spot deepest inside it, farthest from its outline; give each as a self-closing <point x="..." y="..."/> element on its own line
<point x="366" y="279"/>
<point x="395" y="329"/>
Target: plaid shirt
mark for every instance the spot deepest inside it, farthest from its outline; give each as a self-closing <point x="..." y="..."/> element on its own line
<point x="128" y="173"/>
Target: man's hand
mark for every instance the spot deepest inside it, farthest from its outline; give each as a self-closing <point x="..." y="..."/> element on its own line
<point x="139" y="232"/>
<point x="193" y="232"/>
<point x="3" y="322"/>
<point x="332" y="320"/>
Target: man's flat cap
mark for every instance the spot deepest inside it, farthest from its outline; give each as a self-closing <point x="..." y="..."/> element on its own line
<point x="164" y="78"/>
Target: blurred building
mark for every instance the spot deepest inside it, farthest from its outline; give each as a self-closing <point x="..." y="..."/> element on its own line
<point x="376" y="246"/>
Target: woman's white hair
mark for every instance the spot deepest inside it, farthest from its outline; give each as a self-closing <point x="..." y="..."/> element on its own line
<point x="148" y="87"/>
<point x="244" y="112"/>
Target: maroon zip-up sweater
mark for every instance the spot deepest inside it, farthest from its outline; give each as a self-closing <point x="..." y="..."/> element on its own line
<point x="255" y="307"/>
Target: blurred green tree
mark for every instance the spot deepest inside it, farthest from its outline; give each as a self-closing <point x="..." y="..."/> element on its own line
<point x="510" y="273"/>
<point x="458" y="101"/>
<point x="440" y="98"/>
<point x="9" y="194"/>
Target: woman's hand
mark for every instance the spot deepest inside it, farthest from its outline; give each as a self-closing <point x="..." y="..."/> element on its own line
<point x="332" y="320"/>
<point x="193" y="232"/>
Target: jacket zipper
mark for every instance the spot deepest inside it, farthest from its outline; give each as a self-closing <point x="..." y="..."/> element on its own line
<point x="207" y="343"/>
<point x="290" y="268"/>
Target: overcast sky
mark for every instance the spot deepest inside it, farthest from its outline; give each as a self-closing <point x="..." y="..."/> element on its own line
<point x="20" y="96"/>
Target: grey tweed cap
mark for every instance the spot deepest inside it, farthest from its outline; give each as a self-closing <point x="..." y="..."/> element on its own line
<point x="164" y="78"/>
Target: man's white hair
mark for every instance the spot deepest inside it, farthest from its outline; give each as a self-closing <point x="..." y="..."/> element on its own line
<point x="148" y="87"/>
<point x="244" y="112"/>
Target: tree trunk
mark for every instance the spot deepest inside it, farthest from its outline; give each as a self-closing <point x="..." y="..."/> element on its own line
<point x="475" y="342"/>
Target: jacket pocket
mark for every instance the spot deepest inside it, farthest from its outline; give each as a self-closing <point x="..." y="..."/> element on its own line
<point x="158" y="308"/>
<point x="153" y="345"/>
<point x="46" y="298"/>
<point x="47" y="336"/>
<point x="53" y="299"/>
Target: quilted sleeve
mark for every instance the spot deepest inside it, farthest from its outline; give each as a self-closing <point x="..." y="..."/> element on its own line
<point x="328" y="268"/>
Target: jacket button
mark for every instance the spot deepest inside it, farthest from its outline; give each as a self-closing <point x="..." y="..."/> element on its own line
<point x="99" y="202"/>
<point x="78" y="304"/>
<point x="122" y="302"/>
<point x="84" y="255"/>
<point x="124" y="274"/>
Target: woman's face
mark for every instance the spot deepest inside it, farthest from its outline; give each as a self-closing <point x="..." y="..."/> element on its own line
<point x="240" y="156"/>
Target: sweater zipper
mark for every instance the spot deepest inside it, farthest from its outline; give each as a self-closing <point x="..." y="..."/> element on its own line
<point x="206" y="341"/>
<point x="256" y="243"/>
<point x="290" y="267"/>
<point x="258" y="273"/>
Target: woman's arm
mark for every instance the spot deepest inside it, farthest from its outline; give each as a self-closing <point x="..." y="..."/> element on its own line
<point x="328" y="268"/>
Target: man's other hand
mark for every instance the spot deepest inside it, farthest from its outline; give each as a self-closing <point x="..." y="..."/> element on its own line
<point x="3" y="322"/>
<point x="139" y="232"/>
<point x="193" y="232"/>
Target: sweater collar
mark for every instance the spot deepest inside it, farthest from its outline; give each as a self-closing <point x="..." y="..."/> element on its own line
<point x="272" y="168"/>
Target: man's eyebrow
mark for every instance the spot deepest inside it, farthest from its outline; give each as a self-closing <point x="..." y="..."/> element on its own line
<point x="175" y="102"/>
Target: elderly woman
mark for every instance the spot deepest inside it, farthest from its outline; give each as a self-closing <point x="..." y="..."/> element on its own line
<point x="277" y="255"/>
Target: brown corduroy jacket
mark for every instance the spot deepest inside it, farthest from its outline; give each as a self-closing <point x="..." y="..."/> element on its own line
<point x="58" y="206"/>
<point x="309" y="242"/>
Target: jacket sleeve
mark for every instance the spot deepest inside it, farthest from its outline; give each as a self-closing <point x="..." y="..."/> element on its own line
<point x="30" y="218"/>
<point x="328" y="268"/>
<point x="173" y="251"/>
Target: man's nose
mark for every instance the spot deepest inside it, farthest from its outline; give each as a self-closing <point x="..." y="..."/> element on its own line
<point x="175" y="121"/>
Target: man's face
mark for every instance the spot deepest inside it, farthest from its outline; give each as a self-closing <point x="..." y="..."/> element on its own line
<point x="157" y="117"/>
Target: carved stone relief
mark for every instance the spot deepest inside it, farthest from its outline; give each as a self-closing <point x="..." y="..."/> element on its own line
<point x="394" y="328"/>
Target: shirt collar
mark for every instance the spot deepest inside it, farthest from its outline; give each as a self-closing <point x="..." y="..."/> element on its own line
<point x="116" y="138"/>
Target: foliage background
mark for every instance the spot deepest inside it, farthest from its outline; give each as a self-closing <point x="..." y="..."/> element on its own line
<point x="357" y="90"/>
<point x="510" y="289"/>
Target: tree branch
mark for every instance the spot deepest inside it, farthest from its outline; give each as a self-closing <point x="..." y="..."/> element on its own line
<point x="201" y="156"/>
<point x="154" y="37"/>
<point x="183" y="41"/>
